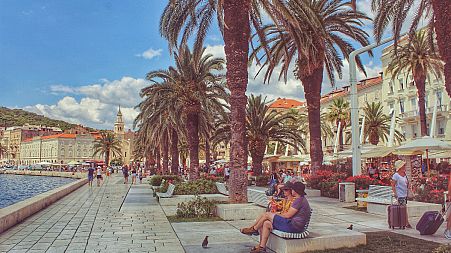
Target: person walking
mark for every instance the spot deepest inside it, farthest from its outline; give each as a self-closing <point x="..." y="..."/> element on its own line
<point x="99" y="175"/>
<point x="400" y="185"/>
<point x="133" y="175"/>
<point x="90" y="175"/>
<point x="140" y="175"/>
<point x="125" y="173"/>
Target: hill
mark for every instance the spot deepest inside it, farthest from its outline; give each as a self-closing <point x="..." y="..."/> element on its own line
<point x="19" y="117"/>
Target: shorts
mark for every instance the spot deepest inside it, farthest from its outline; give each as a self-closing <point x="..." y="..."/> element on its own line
<point x="90" y="177"/>
<point x="284" y="224"/>
<point x="99" y="176"/>
<point x="402" y="201"/>
<point x="133" y="174"/>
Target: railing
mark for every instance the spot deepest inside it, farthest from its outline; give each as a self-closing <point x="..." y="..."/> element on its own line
<point x="440" y="108"/>
<point x="409" y="114"/>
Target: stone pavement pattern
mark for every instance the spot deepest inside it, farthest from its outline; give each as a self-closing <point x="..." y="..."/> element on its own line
<point x="110" y="218"/>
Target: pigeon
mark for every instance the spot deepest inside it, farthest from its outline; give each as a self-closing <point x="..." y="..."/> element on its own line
<point x="205" y="242"/>
<point x="350" y="227"/>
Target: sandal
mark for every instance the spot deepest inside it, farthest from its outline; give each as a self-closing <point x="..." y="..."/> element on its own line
<point x="258" y="249"/>
<point x="249" y="231"/>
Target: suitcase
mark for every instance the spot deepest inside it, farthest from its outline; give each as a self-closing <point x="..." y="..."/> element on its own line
<point x="429" y="223"/>
<point x="397" y="216"/>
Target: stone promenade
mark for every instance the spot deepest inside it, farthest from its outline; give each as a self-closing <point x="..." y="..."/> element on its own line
<point x="111" y="218"/>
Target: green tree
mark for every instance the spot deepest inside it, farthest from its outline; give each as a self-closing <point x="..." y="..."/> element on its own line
<point x="377" y="124"/>
<point x="326" y="26"/>
<point x="339" y="113"/>
<point x="263" y="125"/>
<point x="196" y="83"/>
<point x="418" y="57"/>
<point x="107" y="145"/>
<point x="438" y="12"/>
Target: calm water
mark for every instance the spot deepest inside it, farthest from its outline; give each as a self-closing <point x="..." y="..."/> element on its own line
<point x="15" y="188"/>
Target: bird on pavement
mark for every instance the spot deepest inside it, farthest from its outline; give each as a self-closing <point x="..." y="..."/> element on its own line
<point x="350" y="227"/>
<point x="205" y="242"/>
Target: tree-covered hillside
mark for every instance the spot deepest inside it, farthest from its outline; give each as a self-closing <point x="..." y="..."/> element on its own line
<point x="19" y="117"/>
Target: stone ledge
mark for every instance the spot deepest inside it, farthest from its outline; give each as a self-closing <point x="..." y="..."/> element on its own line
<point x="47" y="173"/>
<point x="176" y="199"/>
<point x="317" y="241"/>
<point x="313" y="192"/>
<point x="239" y="211"/>
<point x="16" y="213"/>
<point x="414" y="208"/>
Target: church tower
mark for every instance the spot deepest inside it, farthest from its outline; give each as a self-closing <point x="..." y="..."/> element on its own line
<point x="119" y="125"/>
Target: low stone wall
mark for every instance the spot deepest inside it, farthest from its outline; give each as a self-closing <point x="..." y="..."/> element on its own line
<point x="16" y="213"/>
<point x="46" y="173"/>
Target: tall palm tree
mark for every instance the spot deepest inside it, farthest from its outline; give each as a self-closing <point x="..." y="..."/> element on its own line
<point x="438" y="12"/>
<point x="377" y="124"/>
<point x="326" y="27"/>
<point x="196" y="83"/>
<point x="418" y="57"/>
<point x="262" y="126"/>
<point x="107" y="145"/>
<point x="234" y="17"/>
<point x="339" y="113"/>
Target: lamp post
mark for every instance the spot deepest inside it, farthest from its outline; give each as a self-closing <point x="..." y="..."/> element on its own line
<point x="356" y="147"/>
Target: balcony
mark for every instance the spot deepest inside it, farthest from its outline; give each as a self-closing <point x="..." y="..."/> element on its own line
<point x="409" y="114"/>
<point x="440" y="108"/>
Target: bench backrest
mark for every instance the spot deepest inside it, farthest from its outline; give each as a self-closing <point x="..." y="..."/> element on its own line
<point x="380" y="192"/>
<point x="162" y="182"/>
<point x="171" y="189"/>
<point x="257" y="197"/>
<point x="221" y="188"/>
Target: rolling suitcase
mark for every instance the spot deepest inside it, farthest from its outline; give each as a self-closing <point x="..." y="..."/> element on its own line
<point x="397" y="216"/>
<point x="429" y="223"/>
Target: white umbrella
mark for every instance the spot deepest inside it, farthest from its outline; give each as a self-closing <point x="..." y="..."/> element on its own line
<point x="73" y="163"/>
<point x="424" y="144"/>
<point x="43" y="163"/>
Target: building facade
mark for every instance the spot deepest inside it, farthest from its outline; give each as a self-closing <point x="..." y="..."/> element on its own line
<point x="400" y="94"/>
<point x="126" y="138"/>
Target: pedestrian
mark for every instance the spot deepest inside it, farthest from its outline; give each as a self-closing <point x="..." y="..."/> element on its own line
<point x="125" y="173"/>
<point x="226" y="174"/>
<point x="99" y="175"/>
<point x="90" y="175"/>
<point x="133" y="175"/>
<point x="400" y="185"/>
<point x="140" y="175"/>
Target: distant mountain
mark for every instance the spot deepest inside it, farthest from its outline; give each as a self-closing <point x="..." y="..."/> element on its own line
<point x="19" y="117"/>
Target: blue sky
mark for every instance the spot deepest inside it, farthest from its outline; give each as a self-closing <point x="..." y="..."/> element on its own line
<point x="78" y="60"/>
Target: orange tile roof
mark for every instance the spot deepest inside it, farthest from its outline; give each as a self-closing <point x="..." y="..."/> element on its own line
<point x="67" y="136"/>
<point x="363" y="84"/>
<point x="286" y="103"/>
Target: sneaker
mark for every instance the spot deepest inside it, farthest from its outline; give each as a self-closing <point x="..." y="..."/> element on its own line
<point x="447" y="234"/>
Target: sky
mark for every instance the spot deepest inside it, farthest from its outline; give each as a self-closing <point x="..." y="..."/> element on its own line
<point x="79" y="60"/>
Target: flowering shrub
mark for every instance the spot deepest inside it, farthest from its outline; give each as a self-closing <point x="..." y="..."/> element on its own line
<point x="363" y="182"/>
<point x="326" y="181"/>
<point x="200" y="186"/>
<point x="212" y="178"/>
<point x="431" y="190"/>
<point x="156" y="180"/>
<point x="197" y="208"/>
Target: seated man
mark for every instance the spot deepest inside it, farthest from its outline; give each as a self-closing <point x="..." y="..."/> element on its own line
<point x="291" y="221"/>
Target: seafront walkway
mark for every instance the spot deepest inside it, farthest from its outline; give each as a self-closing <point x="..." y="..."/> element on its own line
<point x="111" y="218"/>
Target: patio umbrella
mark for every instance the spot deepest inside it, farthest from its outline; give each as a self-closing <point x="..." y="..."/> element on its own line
<point x="424" y="144"/>
<point x="73" y="163"/>
<point x="43" y="163"/>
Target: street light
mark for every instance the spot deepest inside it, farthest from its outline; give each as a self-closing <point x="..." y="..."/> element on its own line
<point x="356" y="148"/>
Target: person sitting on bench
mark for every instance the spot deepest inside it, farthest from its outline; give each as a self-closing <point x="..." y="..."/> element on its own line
<point x="292" y="221"/>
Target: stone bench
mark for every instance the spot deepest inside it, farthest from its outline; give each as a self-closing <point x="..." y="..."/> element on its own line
<point x="257" y="197"/>
<point x="378" y="194"/>
<point x="222" y="188"/>
<point x="317" y="240"/>
<point x="247" y="211"/>
<point x="167" y="194"/>
<point x="176" y="199"/>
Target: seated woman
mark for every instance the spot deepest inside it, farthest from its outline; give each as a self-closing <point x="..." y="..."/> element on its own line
<point x="292" y="221"/>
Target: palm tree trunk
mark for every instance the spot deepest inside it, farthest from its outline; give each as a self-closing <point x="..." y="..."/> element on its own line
<point x="442" y="14"/>
<point x="207" y="152"/>
<point x="157" y="156"/>
<point x="340" y="137"/>
<point x="174" y="152"/>
<point x="257" y="151"/>
<point x="420" y="80"/>
<point x="312" y="87"/>
<point x="165" y="150"/>
<point x="107" y="158"/>
<point x="192" y="129"/>
<point x="236" y="40"/>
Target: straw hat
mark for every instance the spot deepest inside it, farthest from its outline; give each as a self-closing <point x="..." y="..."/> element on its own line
<point x="399" y="164"/>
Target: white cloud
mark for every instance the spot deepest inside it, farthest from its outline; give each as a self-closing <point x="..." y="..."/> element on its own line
<point x="98" y="105"/>
<point x="150" y="53"/>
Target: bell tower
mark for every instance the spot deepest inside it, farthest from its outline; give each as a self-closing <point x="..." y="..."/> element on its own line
<point x="119" y="125"/>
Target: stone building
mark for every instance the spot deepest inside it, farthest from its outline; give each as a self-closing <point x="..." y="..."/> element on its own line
<point x="126" y="138"/>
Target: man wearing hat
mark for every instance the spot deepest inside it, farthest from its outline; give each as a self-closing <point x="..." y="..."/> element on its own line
<point x="400" y="184"/>
<point x="292" y="221"/>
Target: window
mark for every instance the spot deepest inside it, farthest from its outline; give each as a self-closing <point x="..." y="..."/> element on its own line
<point x="391" y="87"/>
<point x="414" y="131"/>
<point x="441" y="127"/>
<point x="401" y="84"/>
<point x="439" y="98"/>
<point x="401" y="105"/>
<point x="413" y="104"/>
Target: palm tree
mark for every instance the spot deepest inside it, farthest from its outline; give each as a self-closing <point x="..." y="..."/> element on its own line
<point x="263" y="125"/>
<point x="339" y="113"/>
<point x="107" y="145"/>
<point x="196" y="84"/>
<point x="438" y="12"/>
<point x="377" y="124"/>
<point x="318" y="45"/>
<point x="418" y="57"/>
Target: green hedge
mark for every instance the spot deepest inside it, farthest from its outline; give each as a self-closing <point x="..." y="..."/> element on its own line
<point x="156" y="179"/>
<point x="200" y="186"/>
